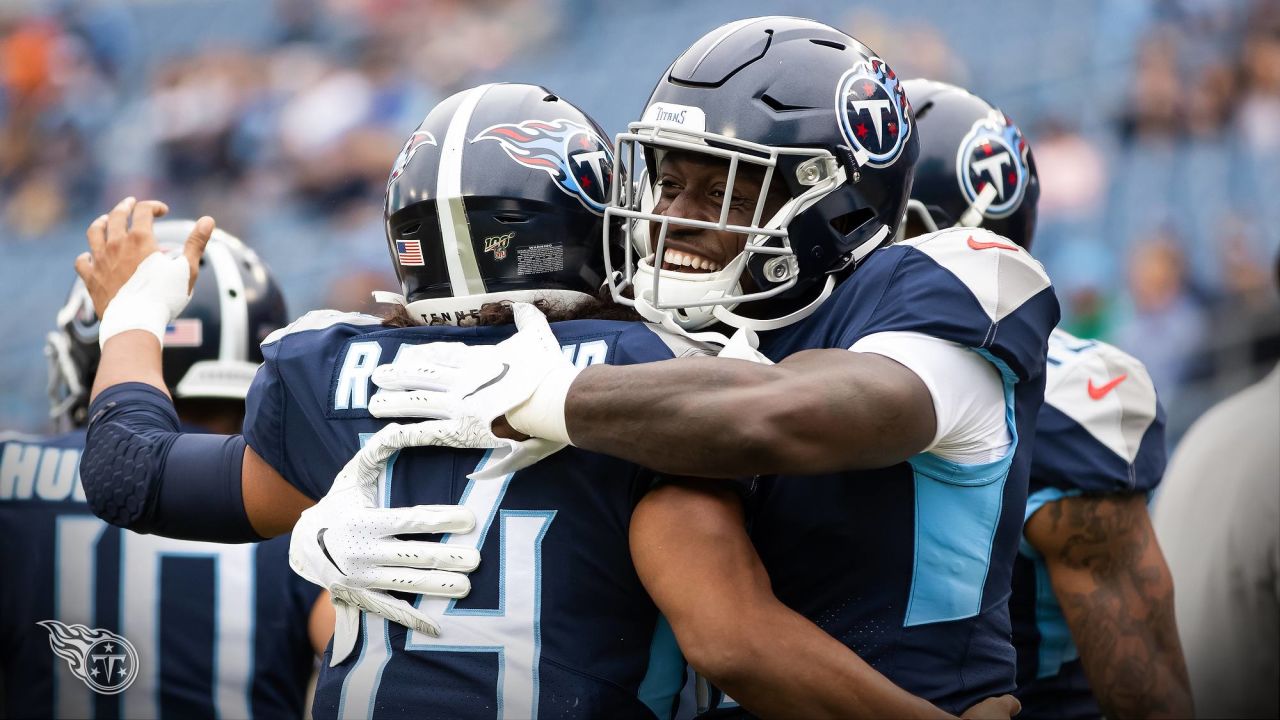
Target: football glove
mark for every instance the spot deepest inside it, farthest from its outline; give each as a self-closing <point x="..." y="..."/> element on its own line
<point x="347" y="544"/>
<point x="525" y="377"/>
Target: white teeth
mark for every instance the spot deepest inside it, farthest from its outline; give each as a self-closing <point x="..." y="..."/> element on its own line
<point x="675" y="257"/>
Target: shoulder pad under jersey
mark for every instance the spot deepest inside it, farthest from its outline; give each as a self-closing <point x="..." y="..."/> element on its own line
<point x="1105" y="390"/>
<point x="1001" y="275"/>
<point x="320" y="320"/>
<point x="1098" y="400"/>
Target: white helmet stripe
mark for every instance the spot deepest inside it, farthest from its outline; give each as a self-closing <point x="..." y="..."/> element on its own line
<point x="232" y="305"/>
<point x="459" y="252"/>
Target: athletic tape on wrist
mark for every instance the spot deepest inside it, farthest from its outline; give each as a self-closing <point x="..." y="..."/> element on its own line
<point x="152" y="297"/>
<point x="542" y="415"/>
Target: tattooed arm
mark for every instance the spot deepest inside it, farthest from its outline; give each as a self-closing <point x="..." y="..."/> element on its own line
<point x="1117" y="595"/>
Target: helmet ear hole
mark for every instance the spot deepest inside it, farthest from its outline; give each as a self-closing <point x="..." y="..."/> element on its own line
<point x="847" y="223"/>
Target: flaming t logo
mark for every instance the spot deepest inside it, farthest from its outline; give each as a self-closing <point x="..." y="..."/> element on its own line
<point x="415" y="141"/>
<point x="103" y="660"/>
<point x="576" y="157"/>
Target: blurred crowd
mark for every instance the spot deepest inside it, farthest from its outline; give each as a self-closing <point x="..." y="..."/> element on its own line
<point x="1157" y="139"/>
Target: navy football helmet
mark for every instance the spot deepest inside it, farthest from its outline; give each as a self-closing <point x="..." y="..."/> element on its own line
<point x="211" y="350"/>
<point x="820" y="114"/>
<point x="975" y="167"/>
<point x="499" y="194"/>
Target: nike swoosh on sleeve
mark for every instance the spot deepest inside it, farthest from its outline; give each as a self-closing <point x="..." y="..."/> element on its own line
<point x="1097" y="393"/>
<point x="975" y="245"/>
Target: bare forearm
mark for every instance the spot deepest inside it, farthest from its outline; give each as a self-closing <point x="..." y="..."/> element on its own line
<point x="1117" y="595"/>
<point x="132" y="356"/>
<point x="697" y="562"/>
<point x="797" y="670"/>
<point x="817" y="411"/>
<point x="686" y="417"/>
<point x="1134" y="665"/>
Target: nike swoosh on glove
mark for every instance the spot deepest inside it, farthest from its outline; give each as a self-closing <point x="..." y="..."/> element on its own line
<point x="525" y="377"/>
<point x="346" y="542"/>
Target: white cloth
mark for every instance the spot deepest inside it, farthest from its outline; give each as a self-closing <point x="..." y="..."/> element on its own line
<point x="968" y="394"/>
<point x="150" y="299"/>
<point x="1217" y="517"/>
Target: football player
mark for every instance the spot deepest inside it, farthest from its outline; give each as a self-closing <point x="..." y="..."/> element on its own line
<point x="885" y="439"/>
<point x="498" y="194"/>
<point x="100" y="622"/>
<point x="1092" y="603"/>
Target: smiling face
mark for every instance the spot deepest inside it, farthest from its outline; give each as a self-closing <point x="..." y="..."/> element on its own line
<point x="693" y="186"/>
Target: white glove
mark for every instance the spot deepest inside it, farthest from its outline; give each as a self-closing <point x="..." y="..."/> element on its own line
<point x="153" y="296"/>
<point x="525" y="377"/>
<point x="346" y="543"/>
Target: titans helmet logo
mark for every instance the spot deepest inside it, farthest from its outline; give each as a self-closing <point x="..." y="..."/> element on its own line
<point x="418" y="139"/>
<point x="103" y="660"/>
<point x="873" y="111"/>
<point x="577" y="158"/>
<point x="994" y="152"/>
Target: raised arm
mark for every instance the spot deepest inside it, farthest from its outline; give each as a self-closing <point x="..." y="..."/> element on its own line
<point x="119" y="243"/>
<point x="1116" y="593"/>
<point x="694" y="557"/>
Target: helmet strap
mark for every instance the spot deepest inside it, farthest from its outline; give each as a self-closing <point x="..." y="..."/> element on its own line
<point x="973" y="216"/>
<point x="728" y="317"/>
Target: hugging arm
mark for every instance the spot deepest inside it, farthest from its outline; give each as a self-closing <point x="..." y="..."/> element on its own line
<point x="139" y="470"/>
<point x="816" y="411"/>
<point x="693" y="555"/>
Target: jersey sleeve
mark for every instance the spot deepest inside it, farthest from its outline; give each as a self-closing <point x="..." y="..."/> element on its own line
<point x="264" y="411"/>
<point x="1101" y="428"/>
<point x="967" y="393"/>
<point x="970" y="287"/>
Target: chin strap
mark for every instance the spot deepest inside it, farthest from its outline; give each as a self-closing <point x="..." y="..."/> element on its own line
<point x="742" y="346"/>
<point x="729" y="317"/>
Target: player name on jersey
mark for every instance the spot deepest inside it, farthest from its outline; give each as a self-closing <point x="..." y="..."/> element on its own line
<point x="29" y="471"/>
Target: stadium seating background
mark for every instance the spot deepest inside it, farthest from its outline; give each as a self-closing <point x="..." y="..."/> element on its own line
<point x="1156" y="125"/>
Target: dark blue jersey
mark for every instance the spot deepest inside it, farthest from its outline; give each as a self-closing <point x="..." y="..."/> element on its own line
<point x="1100" y="431"/>
<point x="101" y="622"/>
<point x="557" y="623"/>
<point x="910" y="565"/>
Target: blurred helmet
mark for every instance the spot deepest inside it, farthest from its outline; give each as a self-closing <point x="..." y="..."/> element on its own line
<point x="211" y="350"/>
<point x="975" y="168"/>
<point x="499" y="194"/>
<point x="820" y="114"/>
